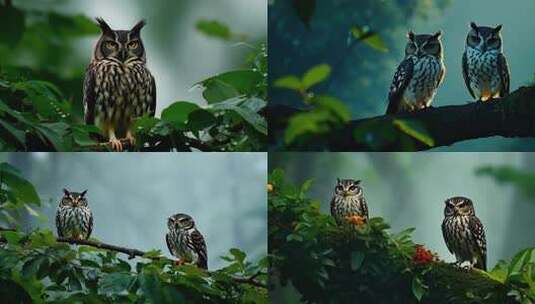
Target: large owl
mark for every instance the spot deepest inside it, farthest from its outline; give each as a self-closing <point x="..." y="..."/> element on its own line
<point x="485" y="69"/>
<point x="118" y="87"/>
<point x="419" y="74"/>
<point x="463" y="232"/>
<point x="348" y="200"/>
<point x="74" y="219"/>
<point x="186" y="242"/>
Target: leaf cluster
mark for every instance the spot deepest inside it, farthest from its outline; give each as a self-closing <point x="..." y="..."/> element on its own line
<point x="368" y="264"/>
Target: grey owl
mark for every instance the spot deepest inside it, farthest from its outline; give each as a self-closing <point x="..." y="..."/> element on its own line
<point x="348" y="200"/>
<point x="418" y="76"/>
<point x="74" y="219"/>
<point x="118" y="87"/>
<point x="485" y="69"/>
<point x="186" y="242"/>
<point x="464" y="233"/>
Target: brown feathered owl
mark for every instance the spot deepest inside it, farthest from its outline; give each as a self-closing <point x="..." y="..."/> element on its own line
<point x="118" y="86"/>
<point x="463" y="232"/>
<point x="418" y="76"/>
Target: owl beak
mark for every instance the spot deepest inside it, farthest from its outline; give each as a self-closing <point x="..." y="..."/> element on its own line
<point x="483" y="47"/>
<point x="122" y="55"/>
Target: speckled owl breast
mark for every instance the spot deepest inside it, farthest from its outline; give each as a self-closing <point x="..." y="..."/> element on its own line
<point x="123" y="92"/>
<point x="483" y="72"/>
<point x="423" y="84"/>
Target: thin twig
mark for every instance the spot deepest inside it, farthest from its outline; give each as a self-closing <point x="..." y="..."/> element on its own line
<point x="251" y="280"/>
<point x="132" y="253"/>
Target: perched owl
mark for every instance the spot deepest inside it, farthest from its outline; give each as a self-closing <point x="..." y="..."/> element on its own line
<point x="118" y="87"/>
<point x="485" y="69"/>
<point x="185" y="241"/>
<point x="74" y="219"/>
<point x="348" y="200"/>
<point x="464" y="233"/>
<point x="419" y="74"/>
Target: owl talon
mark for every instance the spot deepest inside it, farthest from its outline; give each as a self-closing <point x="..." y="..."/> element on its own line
<point x="131" y="138"/>
<point x="116" y="145"/>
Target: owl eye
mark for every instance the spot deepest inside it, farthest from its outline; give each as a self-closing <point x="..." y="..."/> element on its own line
<point x="475" y="39"/>
<point x="111" y="45"/>
<point x="133" y="44"/>
<point x="339" y="188"/>
<point x="492" y="41"/>
<point x="352" y="188"/>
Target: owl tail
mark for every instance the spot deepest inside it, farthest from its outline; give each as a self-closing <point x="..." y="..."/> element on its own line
<point x="481" y="264"/>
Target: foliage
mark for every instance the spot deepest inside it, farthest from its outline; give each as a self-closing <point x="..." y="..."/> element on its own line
<point x="523" y="180"/>
<point x="368" y="264"/>
<point x="36" y="268"/>
<point x="41" y="100"/>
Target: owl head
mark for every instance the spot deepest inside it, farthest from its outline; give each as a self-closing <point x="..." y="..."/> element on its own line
<point x="121" y="45"/>
<point x="458" y="206"/>
<point x="348" y="187"/>
<point x="180" y="221"/>
<point x="424" y="45"/>
<point x="73" y="199"/>
<point x="484" y="38"/>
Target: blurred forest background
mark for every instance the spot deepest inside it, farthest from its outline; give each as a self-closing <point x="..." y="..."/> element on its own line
<point x="132" y="195"/>
<point x="301" y="37"/>
<point x="409" y="189"/>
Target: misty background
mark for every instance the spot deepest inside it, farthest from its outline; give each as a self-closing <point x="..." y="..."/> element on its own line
<point x="132" y="195"/>
<point x="178" y="55"/>
<point x="409" y="190"/>
<point x="361" y="76"/>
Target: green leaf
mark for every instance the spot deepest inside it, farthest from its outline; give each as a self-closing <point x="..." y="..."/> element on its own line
<point x="370" y="38"/>
<point x="230" y="84"/>
<point x="357" y="257"/>
<point x="238" y="255"/>
<point x="335" y="106"/>
<point x="214" y="28"/>
<point x="254" y="119"/>
<point x="289" y="82"/>
<point x="316" y="75"/>
<point x="303" y="123"/>
<point x="17" y="134"/>
<point x="415" y="130"/>
<point x="178" y="112"/>
<point x="115" y="283"/>
<point x="12" y="237"/>
<point x="418" y="288"/>
<point x="54" y="134"/>
<point x="21" y="188"/>
<point x="200" y="119"/>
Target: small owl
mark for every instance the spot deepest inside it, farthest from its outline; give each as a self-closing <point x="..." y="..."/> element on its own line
<point x="118" y="86"/>
<point x="463" y="232"/>
<point x="74" y="219"/>
<point x="485" y="69"/>
<point x="419" y="74"/>
<point x="185" y="241"/>
<point x="348" y="200"/>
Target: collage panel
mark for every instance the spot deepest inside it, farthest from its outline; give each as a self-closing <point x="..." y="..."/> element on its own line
<point x="132" y="75"/>
<point x="401" y="227"/>
<point x="93" y="228"/>
<point x="401" y="75"/>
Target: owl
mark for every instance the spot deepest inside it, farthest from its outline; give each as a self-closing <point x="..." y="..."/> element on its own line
<point x="463" y="233"/>
<point x="485" y="69"/>
<point x="74" y="219"/>
<point x="348" y="200"/>
<point x="419" y="74"/>
<point x="186" y="242"/>
<point x="118" y="86"/>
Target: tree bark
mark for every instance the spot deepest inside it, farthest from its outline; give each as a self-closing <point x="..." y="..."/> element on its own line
<point x="511" y="116"/>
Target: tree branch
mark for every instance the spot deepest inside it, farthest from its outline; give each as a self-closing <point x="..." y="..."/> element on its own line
<point x="132" y="253"/>
<point x="511" y="116"/>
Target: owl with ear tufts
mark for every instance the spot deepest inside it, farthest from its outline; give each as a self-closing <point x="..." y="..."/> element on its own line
<point x="418" y="76"/>
<point x="118" y="86"/>
<point x="485" y="69"/>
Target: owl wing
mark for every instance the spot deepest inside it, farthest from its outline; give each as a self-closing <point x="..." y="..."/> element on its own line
<point x="89" y="96"/>
<point x="58" y="224"/>
<point x="400" y="82"/>
<point x="199" y="246"/>
<point x="333" y="210"/>
<point x="90" y="225"/>
<point x="503" y="70"/>
<point x="446" y="237"/>
<point x="465" y="76"/>
<point x="476" y="227"/>
<point x="364" y="208"/>
<point x="152" y="108"/>
<point x="168" y="242"/>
